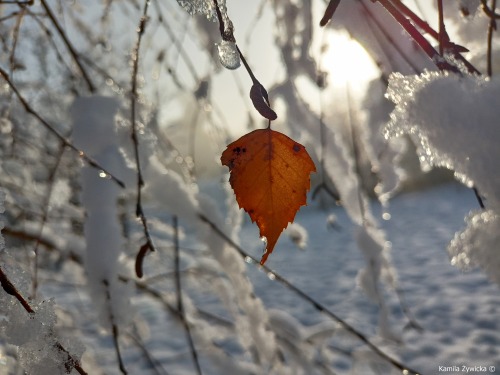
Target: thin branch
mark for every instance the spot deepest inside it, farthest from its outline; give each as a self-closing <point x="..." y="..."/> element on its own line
<point x="417" y="37"/>
<point x="450" y="47"/>
<point x="317" y="305"/>
<point x="180" y="304"/>
<point x="10" y="289"/>
<point x="492" y="27"/>
<point x="258" y="93"/>
<point x="388" y="37"/>
<point x="69" y="45"/>
<point x="153" y="362"/>
<point x="114" y="328"/>
<point x="45" y="215"/>
<point x="18" y="2"/>
<point x="51" y="129"/>
<point x="15" y="38"/>
<point x="490" y="12"/>
<point x="329" y="12"/>
<point x="355" y="154"/>
<point x="139" y="211"/>
<point x="442" y="31"/>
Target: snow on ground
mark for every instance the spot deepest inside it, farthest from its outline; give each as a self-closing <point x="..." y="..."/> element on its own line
<point x="458" y="312"/>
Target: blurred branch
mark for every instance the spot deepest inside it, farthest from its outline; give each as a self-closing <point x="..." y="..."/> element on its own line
<point x="52" y="130"/>
<point x="69" y="45"/>
<point x="329" y="12"/>
<point x="490" y="12"/>
<point x="180" y="304"/>
<point x="417" y="37"/>
<point x="114" y="327"/>
<point x="491" y="28"/>
<point x="450" y="47"/>
<point x="18" y="2"/>
<point x="317" y="305"/>
<point x="45" y="215"/>
<point x="15" y="38"/>
<point x="258" y="93"/>
<point x="139" y="211"/>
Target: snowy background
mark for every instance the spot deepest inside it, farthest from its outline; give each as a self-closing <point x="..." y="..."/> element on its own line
<point x="392" y="267"/>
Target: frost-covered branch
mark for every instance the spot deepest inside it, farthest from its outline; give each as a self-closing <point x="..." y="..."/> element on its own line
<point x="317" y="305"/>
<point x="69" y="45"/>
<point x="180" y="303"/>
<point x="139" y="211"/>
<point x="53" y="130"/>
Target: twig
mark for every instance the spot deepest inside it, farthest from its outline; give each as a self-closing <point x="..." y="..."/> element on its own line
<point x="69" y="45"/>
<point x="15" y="38"/>
<point x="355" y="155"/>
<point x="18" y="2"/>
<point x="489" y="12"/>
<point x="442" y="30"/>
<point x="491" y="28"/>
<point x="139" y="211"/>
<point x="258" y="93"/>
<point x="329" y="12"/>
<point x="180" y="304"/>
<point x="388" y="37"/>
<point x="317" y="305"/>
<point x="45" y="215"/>
<point x="417" y="37"/>
<point x="10" y="288"/>
<point x="114" y="327"/>
<point x="51" y="129"/>
<point x="452" y="47"/>
<point x="154" y="363"/>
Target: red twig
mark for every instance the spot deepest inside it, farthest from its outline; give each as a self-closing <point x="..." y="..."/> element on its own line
<point x="418" y="37"/>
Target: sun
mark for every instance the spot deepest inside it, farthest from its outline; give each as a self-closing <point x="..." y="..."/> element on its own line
<point x="347" y="62"/>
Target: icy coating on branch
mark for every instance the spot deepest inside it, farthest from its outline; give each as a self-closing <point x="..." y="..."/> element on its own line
<point x="204" y="7"/>
<point x="454" y="123"/>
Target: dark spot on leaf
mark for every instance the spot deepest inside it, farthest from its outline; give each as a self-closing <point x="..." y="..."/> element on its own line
<point x="296" y="147"/>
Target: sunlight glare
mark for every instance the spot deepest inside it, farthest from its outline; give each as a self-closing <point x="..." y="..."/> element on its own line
<point x="346" y="61"/>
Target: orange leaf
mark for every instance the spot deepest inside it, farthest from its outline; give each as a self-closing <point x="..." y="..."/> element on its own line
<point x="270" y="178"/>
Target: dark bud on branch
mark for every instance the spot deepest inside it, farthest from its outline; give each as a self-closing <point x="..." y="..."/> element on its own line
<point x="260" y="101"/>
<point x="140" y="258"/>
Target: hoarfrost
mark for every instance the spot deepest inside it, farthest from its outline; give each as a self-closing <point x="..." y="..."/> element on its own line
<point x="478" y="244"/>
<point x="448" y="116"/>
<point x="454" y="123"/>
<point x="203" y="7"/>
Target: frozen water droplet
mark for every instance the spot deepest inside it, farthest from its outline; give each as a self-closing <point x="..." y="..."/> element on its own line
<point x="271" y="276"/>
<point x="248" y="260"/>
<point x="228" y="55"/>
